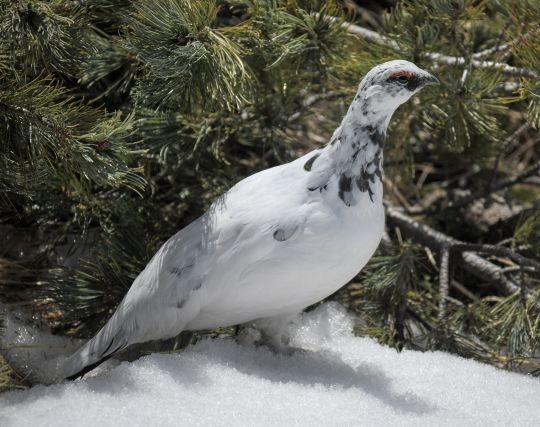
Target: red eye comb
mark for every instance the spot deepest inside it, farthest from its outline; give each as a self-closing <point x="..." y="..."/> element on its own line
<point x="397" y="74"/>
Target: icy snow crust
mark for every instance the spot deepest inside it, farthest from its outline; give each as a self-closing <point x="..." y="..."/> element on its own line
<point x="341" y="380"/>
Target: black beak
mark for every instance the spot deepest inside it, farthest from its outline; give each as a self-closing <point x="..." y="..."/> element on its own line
<point x="429" y="79"/>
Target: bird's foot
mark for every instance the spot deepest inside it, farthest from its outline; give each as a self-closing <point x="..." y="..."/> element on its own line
<point x="265" y="334"/>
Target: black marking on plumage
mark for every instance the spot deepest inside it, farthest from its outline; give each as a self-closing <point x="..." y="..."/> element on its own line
<point x="180" y="270"/>
<point x="363" y="172"/>
<point x="362" y="182"/>
<point x="412" y="82"/>
<point x="345" y="187"/>
<point x="376" y="136"/>
<point x="378" y="172"/>
<point x="198" y="286"/>
<point x="309" y="163"/>
<point x="377" y="161"/>
<point x="102" y="359"/>
<point x="282" y="234"/>
<point x="377" y="158"/>
<point x="108" y="347"/>
<point x="181" y="303"/>
<point x="345" y="183"/>
<point x="319" y="187"/>
<point x="279" y="235"/>
<point x="365" y="108"/>
<point x="335" y="140"/>
<point x="88" y="368"/>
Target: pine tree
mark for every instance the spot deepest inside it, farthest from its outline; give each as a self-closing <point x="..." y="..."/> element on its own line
<point x="121" y="121"/>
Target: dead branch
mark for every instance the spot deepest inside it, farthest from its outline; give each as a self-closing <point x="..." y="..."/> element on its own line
<point x="444" y="279"/>
<point x="479" y="64"/>
<point x="498" y="48"/>
<point x="438" y="58"/>
<point x="497" y="250"/>
<point x="501" y="185"/>
<point x="435" y="240"/>
<point x="501" y="48"/>
<point x="464" y="201"/>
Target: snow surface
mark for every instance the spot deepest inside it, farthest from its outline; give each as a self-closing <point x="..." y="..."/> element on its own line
<point x="341" y="380"/>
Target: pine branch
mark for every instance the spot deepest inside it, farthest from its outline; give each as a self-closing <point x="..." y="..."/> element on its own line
<point x="438" y="58"/>
<point x="501" y="48"/>
<point x="313" y="99"/>
<point x="505" y="145"/>
<point x="43" y="130"/>
<point x="505" y="183"/>
<point x="464" y="201"/>
<point x="436" y="240"/>
<point x="506" y="69"/>
<point x="189" y="62"/>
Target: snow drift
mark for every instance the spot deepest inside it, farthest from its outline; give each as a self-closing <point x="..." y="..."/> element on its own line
<point x="340" y="380"/>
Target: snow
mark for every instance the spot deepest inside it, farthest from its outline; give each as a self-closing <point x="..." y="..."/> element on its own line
<point x="340" y="380"/>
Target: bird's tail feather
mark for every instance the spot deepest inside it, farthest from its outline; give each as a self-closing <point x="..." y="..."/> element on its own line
<point x="108" y="341"/>
<point x="30" y="348"/>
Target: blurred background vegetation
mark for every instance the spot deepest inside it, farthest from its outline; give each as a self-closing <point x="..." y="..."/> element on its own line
<point x="121" y="121"/>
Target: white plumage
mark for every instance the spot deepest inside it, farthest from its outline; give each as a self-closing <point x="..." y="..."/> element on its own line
<point x="276" y="242"/>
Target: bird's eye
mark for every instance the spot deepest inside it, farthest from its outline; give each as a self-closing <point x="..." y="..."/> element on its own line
<point x="403" y="80"/>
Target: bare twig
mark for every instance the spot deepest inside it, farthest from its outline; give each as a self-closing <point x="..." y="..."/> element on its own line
<point x="444" y="279"/>
<point x="492" y="50"/>
<point x="464" y="291"/>
<point x="497" y="250"/>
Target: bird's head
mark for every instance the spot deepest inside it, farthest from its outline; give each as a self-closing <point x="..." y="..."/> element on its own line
<point x="390" y="84"/>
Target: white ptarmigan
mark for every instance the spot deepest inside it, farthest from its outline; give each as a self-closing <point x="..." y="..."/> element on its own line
<point x="275" y="243"/>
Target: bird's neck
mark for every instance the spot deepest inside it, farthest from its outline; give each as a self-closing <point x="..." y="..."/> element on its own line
<point x="357" y="144"/>
<point x="356" y="149"/>
<point x="354" y="156"/>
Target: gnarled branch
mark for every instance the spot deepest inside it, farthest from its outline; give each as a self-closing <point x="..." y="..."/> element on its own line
<point x="436" y="241"/>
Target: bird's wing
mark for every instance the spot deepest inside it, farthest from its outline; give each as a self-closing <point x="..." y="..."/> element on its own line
<point x="167" y="293"/>
<point x="160" y="302"/>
